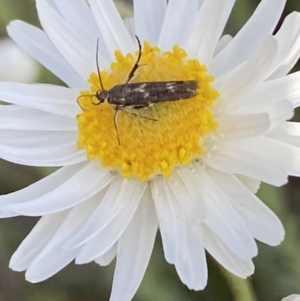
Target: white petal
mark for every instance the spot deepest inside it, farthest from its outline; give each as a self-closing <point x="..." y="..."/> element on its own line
<point x="233" y="127"/>
<point x="108" y="257"/>
<point x="36" y="241"/>
<point x="28" y="139"/>
<point x="223" y="42"/>
<point x="278" y="111"/>
<point x="288" y="38"/>
<point x="112" y="28"/>
<point x="190" y="197"/>
<point x="52" y="3"/>
<point x="53" y="258"/>
<point x="180" y="237"/>
<point x="233" y="158"/>
<point x="15" y="64"/>
<point x="200" y="3"/>
<point x="162" y="200"/>
<point x="250" y="38"/>
<point x="207" y="29"/>
<point x="177" y="23"/>
<point x="109" y="235"/>
<point x="41" y="148"/>
<point x="224" y="220"/>
<point x="284" y="156"/>
<point x="134" y="251"/>
<point x="78" y="188"/>
<point x="217" y="249"/>
<point x="121" y="193"/>
<point x="283" y="70"/>
<point x="288" y="132"/>
<point x="195" y="258"/>
<point x="148" y="19"/>
<point x="79" y="17"/>
<point x="15" y="117"/>
<point x="40" y="187"/>
<point x="292" y="298"/>
<point x="263" y="224"/>
<point x="35" y="42"/>
<point x="76" y="51"/>
<point x="252" y="184"/>
<point x="238" y="82"/>
<point x="43" y="268"/>
<point x="286" y="87"/>
<point x="190" y="259"/>
<point x="48" y="98"/>
<point x="129" y="23"/>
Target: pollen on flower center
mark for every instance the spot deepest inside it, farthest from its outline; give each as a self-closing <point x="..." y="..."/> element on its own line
<point x="155" y="139"/>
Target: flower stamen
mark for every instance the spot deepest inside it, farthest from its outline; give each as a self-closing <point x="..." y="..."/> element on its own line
<point x="156" y="138"/>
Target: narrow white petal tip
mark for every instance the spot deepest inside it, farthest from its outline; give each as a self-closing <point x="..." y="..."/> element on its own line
<point x="197" y="285"/>
<point x="277" y="238"/>
<point x="201" y="286"/>
<point x="292" y="298"/>
<point x="80" y="260"/>
<point x="248" y="254"/>
<point x="13" y="265"/>
<point x="33" y="277"/>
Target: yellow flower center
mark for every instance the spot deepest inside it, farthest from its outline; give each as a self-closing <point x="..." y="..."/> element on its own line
<point x="148" y="141"/>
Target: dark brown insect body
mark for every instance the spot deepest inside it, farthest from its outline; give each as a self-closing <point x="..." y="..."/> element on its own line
<point x="142" y="95"/>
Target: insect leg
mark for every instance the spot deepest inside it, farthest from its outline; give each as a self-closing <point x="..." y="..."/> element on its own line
<point x="115" y="123"/>
<point x="137" y="115"/>
<point x="136" y="65"/>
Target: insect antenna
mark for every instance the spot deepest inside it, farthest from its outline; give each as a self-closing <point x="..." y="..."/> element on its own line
<point x="99" y="77"/>
<point x="115" y="123"/>
<point x="97" y="63"/>
<point x="136" y="65"/>
<point x="79" y="102"/>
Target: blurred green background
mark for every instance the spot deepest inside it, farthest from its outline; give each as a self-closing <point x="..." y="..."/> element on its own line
<point x="277" y="269"/>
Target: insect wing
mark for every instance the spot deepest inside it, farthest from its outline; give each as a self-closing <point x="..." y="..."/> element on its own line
<point x="155" y="92"/>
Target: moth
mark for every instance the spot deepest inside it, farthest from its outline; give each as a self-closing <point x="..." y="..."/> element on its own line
<point x="144" y="94"/>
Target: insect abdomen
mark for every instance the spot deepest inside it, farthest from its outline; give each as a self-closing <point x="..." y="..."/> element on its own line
<point x="143" y="94"/>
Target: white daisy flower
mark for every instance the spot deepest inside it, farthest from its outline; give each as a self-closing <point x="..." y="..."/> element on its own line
<point x="189" y="167"/>
<point x="292" y="298"/>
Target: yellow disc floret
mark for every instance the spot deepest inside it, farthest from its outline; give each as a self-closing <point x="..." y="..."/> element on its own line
<point x="152" y="140"/>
